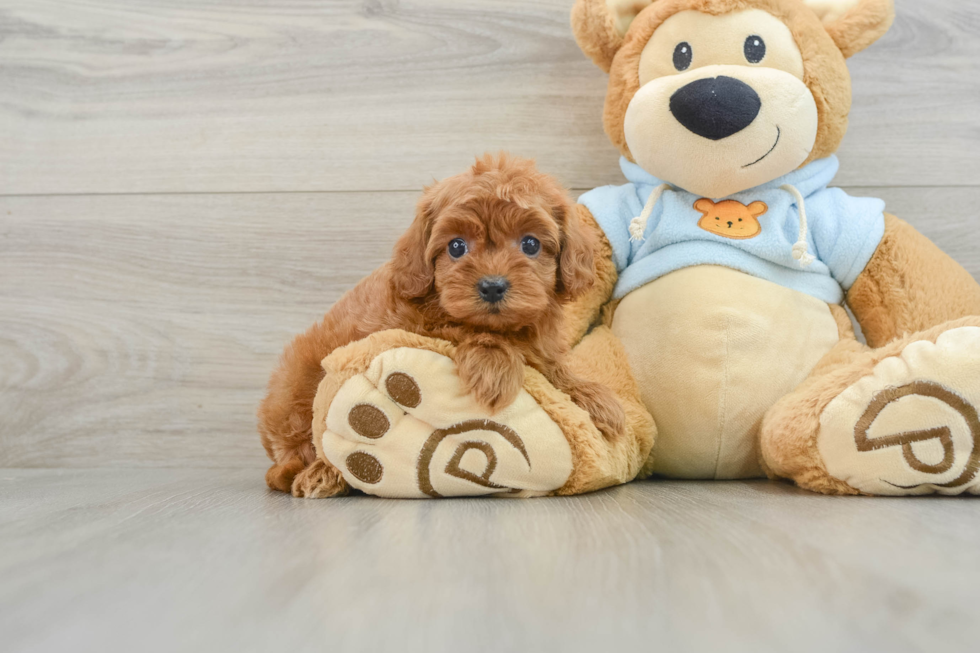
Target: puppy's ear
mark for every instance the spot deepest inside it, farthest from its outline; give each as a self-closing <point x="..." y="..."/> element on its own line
<point x="413" y="271"/>
<point x="854" y="24"/>
<point x="600" y="25"/>
<point x="576" y="262"/>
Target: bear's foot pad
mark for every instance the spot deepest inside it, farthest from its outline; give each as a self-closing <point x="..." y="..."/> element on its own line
<point x="405" y="429"/>
<point x="912" y="426"/>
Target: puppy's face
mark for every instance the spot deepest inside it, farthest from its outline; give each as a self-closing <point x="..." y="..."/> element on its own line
<point x="497" y="247"/>
<point x="496" y="263"/>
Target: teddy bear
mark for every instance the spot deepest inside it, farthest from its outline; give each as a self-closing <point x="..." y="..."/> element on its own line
<point x="726" y="261"/>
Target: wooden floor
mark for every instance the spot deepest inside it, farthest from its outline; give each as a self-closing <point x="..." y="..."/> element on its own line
<point x="186" y="184"/>
<point x="205" y="560"/>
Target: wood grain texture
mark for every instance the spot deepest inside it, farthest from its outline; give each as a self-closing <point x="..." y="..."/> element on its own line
<point x="200" y="560"/>
<point x="125" y="96"/>
<point x="140" y="330"/>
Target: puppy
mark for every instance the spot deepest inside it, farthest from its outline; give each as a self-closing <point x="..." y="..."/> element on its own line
<point x="487" y="264"/>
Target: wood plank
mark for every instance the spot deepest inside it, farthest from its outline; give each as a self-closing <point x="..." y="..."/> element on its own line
<point x="124" y="96"/>
<point x="140" y="330"/>
<point x="194" y="560"/>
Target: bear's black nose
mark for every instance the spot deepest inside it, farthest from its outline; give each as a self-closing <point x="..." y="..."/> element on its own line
<point x="492" y="289"/>
<point x="716" y="107"/>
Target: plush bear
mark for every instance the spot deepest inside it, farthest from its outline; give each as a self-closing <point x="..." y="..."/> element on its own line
<point x="725" y="265"/>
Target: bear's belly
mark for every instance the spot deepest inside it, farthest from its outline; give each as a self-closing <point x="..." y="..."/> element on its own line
<point x="712" y="350"/>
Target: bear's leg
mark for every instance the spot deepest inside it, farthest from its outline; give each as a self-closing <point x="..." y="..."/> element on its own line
<point x="392" y="418"/>
<point x="899" y="420"/>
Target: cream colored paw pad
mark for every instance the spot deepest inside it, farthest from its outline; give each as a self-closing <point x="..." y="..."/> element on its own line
<point x="405" y="429"/>
<point x="912" y="426"/>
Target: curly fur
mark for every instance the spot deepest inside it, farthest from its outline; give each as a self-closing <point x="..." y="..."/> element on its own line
<point x="424" y="291"/>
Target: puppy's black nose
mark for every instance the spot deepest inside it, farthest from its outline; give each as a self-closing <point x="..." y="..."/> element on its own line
<point x="492" y="289"/>
<point x="716" y="108"/>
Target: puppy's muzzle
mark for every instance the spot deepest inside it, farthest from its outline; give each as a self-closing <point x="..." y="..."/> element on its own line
<point x="492" y="289"/>
<point x="716" y="107"/>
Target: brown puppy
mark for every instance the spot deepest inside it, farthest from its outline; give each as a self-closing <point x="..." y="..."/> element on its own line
<point x="491" y="257"/>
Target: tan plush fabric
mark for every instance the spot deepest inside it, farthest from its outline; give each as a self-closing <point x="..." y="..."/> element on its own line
<point x="857" y="27"/>
<point x="542" y="444"/>
<point x="910" y="427"/>
<point x="600" y="25"/>
<point x="787" y="122"/>
<point x="595" y="29"/>
<point x="719" y="40"/>
<point x="830" y="11"/>
<point x="405" y="428"/>
<point x="709" y="368"/>
<point x="910" y="285"/>
<point x="826" y="71"/>
<point x="601" y="357"/>
<point x="777" y="141"/>
<point x="791" y="430"/>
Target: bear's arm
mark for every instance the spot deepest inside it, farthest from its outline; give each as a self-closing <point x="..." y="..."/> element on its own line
<point x="582" y="313"/>
<point x="910" y="285"/>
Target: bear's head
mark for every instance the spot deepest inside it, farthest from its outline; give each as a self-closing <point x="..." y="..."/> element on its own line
<point x="719" y="96"/>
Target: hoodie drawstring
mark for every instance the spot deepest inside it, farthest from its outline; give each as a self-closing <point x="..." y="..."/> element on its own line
<point x="638" y="225"/>
<point x="800" y="252"/>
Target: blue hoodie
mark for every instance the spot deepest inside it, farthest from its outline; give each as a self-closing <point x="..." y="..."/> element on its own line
<point x="844" y="232"/>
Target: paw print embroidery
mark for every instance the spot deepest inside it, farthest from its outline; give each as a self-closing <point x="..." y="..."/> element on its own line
<point x="911" y="426"/>
<point x="731" y="219"/>
<point x="940" y="435"/>
<point x="454" y="469"/>
<point x="396" y="431"/>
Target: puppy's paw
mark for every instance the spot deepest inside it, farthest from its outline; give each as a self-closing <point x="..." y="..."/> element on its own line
<point x="319" y="481"/>
<point x="493" y="375"/>
<point x="605" y="410"/>
<point x="281" y="475"/>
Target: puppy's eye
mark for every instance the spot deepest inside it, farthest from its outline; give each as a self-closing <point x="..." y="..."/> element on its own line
<point x="530" y="245"/>
<point x="755" y="49"/>
<point x="457" y="248"/>
<point x="683" y="55"/>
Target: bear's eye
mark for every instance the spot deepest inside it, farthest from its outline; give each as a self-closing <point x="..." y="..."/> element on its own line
<point x="683" y="54"/>
<point x="755" y="49"/>
<point x="530" y="245"/>
<point x="457" y="248"/>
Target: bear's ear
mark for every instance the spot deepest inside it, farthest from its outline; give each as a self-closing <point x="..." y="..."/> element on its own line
<point x="704" y="206"/>
<point x="757" y="209"/>
<point x="854" y="24"/>
<point x="600" y="26"/>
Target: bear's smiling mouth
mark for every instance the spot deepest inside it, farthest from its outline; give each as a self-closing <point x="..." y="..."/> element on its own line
<point x="779" y="133"/>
